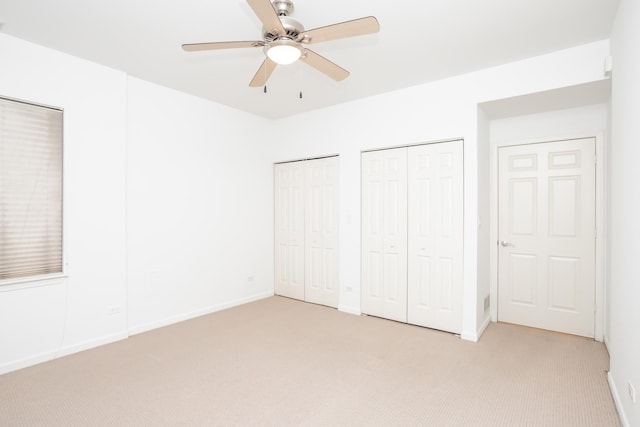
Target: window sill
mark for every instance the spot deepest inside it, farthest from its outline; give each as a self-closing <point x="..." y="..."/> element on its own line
<point x="32" y="282"/>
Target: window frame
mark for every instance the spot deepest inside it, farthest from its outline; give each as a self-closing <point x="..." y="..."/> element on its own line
<point x="48" y="278"/>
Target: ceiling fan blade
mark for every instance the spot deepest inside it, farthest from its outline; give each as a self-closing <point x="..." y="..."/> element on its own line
<point x="263" y="73"/>
<point x="323" y="65"/>
<point x="193" y="47"/>
<point x="357" y="27"/>
<point x="267" y="15"/>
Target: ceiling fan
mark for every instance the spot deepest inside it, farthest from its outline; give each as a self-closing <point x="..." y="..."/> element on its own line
<point x="284" y="40"/>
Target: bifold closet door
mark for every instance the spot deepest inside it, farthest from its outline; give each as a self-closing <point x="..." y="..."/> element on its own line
<point x="289" y="229"/>
<point x="412" y="209"/>
<point x="306" y="230"/>
<point x="435" y="187"/>
<point x="321" y="231"/>
<point x="384" y="233"/>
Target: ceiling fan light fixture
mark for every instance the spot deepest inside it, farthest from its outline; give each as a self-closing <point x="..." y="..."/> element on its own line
<point x="284" y="51"/>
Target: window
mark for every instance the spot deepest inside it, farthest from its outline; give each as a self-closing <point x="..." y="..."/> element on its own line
<point x="30" y="190"/>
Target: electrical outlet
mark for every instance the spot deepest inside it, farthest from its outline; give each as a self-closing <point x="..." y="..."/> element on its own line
<point x="632" y="391"/>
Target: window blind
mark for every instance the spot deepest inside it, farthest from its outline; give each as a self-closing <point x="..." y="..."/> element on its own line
<point x="30" y="190"/>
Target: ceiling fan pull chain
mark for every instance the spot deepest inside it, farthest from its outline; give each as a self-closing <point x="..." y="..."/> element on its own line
<point x="265" y="88"/>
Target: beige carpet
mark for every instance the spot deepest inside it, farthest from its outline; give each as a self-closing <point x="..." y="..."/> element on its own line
<point x="279" y="362"/>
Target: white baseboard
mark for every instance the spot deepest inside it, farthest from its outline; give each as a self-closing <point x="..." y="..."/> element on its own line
<point x="617" y="401"/>
<point x="469" y="336"/>
<point x="349" y="310"/>
<point x="86" y="345"/>
<point x="138" y="329"/>
<point x="27" y="361"/>
<point x="60" y="352"/>
<point x="475" y="336"/>
<point x="484" y="326"/>
<point x="107" y="339"/>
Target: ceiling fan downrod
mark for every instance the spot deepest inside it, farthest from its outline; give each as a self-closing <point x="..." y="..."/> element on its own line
<point x="283" y="7"/>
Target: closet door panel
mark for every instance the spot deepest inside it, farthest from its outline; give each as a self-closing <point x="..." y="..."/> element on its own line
<point x="331" y="236"/>
<point x="435" y="186"/>
<point x="289" y="229"/>
<point x="384" y="234"/>
<point x="321" y="220"/>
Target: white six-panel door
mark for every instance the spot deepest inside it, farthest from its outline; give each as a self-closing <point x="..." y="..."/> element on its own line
<point x="435" y="241"/>
<point x="546" y="271"/>
<point x="289" y="229"/>
<point x="321" y="225"/>
<point x="384" y="233"/>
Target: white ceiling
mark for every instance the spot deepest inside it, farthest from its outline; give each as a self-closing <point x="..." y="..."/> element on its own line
<point x="419" y="41"/>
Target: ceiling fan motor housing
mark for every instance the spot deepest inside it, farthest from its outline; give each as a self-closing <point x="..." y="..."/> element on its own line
<point x="293" y="29"/>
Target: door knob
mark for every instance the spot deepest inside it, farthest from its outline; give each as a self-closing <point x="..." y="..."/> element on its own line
<point x="505" y="243"/>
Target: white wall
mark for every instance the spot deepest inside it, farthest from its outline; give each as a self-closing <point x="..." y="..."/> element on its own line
<point x="67" y="315"/>
<point x="441" y="110"/>
<point x="168" y="208"/>
<point x="588" y="120"/>
<point x="199" y="207"/>
<point x="624" y="341"/>
<point x="483" y="317"/>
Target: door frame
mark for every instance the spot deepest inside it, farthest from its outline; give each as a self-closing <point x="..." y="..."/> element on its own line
<point x="600" y="243"/>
